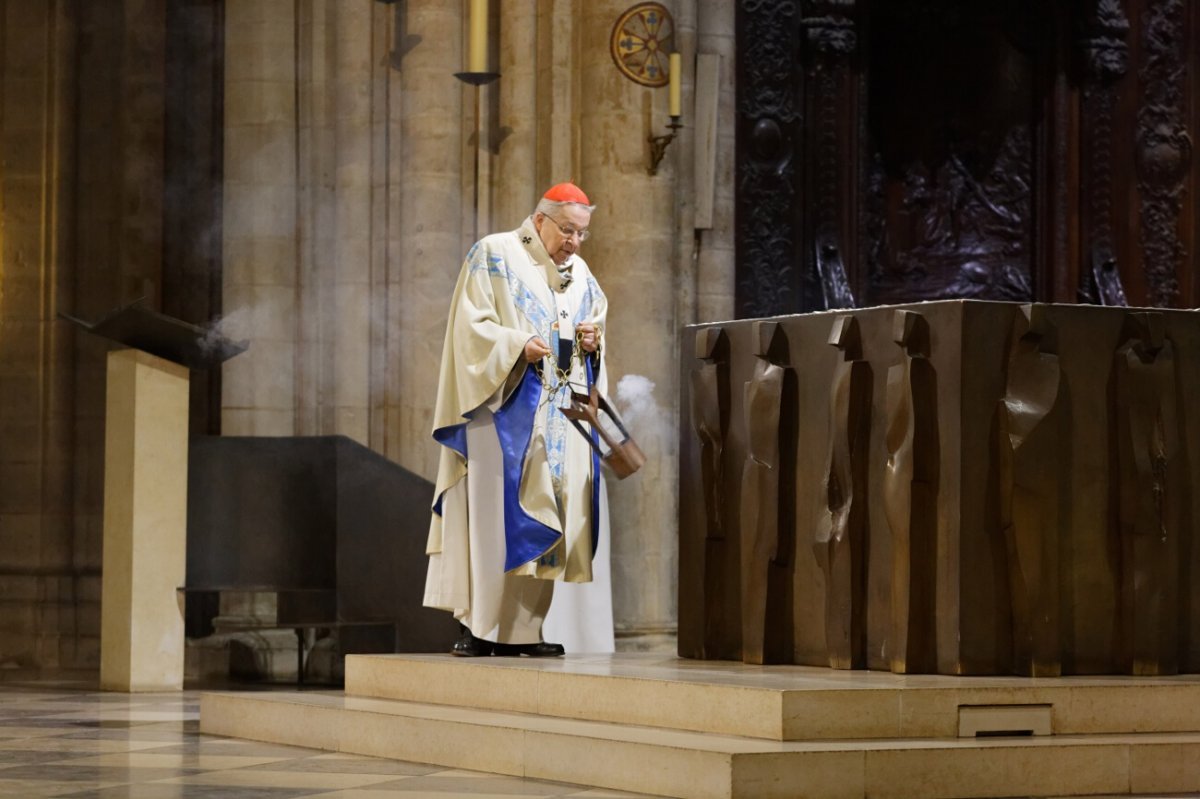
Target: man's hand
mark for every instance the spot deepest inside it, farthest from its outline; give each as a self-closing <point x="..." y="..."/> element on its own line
<point x="589" y="336"/>
<point x="536" y="349"/>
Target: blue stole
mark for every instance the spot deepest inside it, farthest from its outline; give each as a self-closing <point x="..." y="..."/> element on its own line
<point x="525" y="537"/>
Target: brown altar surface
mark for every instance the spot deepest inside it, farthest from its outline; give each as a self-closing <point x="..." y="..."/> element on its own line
<point x="956" y="487"/>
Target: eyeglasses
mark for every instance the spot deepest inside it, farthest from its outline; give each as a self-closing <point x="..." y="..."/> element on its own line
<point x="569" y="231"/>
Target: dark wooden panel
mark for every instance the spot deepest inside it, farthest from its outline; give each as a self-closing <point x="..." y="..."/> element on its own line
<point x="927" y="149"/>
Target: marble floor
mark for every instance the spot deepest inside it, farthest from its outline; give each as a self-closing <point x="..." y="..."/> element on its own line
<point x="63" y="738"/>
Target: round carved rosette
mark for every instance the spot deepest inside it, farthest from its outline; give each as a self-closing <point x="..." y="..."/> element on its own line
<point x="641" y="44"/>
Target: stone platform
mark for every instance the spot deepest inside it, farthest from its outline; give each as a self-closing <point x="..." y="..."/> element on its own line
<point x="688" y="728"/>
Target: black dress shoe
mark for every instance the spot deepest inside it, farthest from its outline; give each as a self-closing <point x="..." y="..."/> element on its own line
<point x="542" y="649"/>
<point x="468" y="646"/>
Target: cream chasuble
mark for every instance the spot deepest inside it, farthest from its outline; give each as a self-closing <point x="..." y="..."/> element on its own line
<point x="516" y="502"/>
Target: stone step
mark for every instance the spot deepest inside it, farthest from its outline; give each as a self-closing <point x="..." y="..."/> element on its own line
<point x="780" y="703"/>
<point x="693" y="764"/>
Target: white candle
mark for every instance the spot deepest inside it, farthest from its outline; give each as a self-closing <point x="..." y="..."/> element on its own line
<point x="676" y="76"/>
<point x="477" y="42"/>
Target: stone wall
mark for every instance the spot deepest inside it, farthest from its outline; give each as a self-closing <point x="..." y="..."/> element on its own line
<point x="365" y="196"/>
<point x="350" y="186"/>
<point x="50" y="438"/>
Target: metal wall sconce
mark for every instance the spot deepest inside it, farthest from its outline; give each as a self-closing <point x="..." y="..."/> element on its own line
<point x="659" y="144"/>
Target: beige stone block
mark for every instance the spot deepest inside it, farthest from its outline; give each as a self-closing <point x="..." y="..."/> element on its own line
<point x="353" y="27"/>
<point x="261" y="154"/>
<point x="1165" y="767"/>
<point x="352" y="95"/>
<point x="353" y="247"/>
<point x="1000" y="769"/>
<point x="437" y="22"/>
<point x="1170" y="707"/>
<point x="18" y="587"/>
<point x="272" y="310"/>
<point x="21" y="256"/>
<point x="22" y="396"/>
<point x="433" y="147"/>
<point x="268" y="260"/>
<point x="20" y="541"/>
<point x="658" y="770"/>
<point x="20" y="615"/>
<point x="25" y="149"/>
<point x="829" y="775"/>
<point x="15" y="646"/>
<point x="145" y="523"/>
<point x="241" y="14"/>
<point x="23" y="218"/>
<point x="457" y="743"/>
<point x="20" y="488"/>
<point x="88" y="620"/>
<point x="255" y="422"/>
<point x="494" y="688"/>
<point x="276" y="30"/>
<point x="676" y="705"/>
<point x="261" y="378"/>
<point x="260" y="102"/>
<point x="89" y="529"/>
<point x="275" y="384"/>
<point x="260" y="210"/>
<point x="22" y="442"/>
<point x="252" y="58"/>
<point x="245" y="716"/>
<point x="20" y="94"/>
<point x="354" y="423"/>
<point x="825" y="714"/>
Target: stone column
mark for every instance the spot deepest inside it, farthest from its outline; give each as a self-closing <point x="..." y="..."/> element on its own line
<point x="39" y="623"/>
<point x="260" y="223"/>
<point x="715" y="262"/>
<point x="117" y="238"/>
<point x="346" y="321"/>
<point x="515" y="185"/>
<point x="345" y="211"/>
<point x="635" y="255"/>
<point x="432" y="236"/>
<point x="559" y="63"/>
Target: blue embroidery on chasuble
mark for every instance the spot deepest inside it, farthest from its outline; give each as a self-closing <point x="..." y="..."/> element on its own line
<point x="556" y="440"/>
<point x="592" y="294"/>
<point x="556" y="446"/>
<point x="525" y="300"/>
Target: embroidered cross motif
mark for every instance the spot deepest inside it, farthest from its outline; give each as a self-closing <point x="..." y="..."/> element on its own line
<point x="526" y="239"/>
<point x="563" y="314"/>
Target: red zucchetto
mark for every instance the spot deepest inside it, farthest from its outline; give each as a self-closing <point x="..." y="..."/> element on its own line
<point x="566" y="193"/>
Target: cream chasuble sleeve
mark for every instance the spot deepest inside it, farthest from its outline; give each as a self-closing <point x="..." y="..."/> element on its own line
<point x="478" y="355"/>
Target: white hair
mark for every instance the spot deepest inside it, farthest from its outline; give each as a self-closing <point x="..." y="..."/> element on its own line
<point x="551" y="207"/>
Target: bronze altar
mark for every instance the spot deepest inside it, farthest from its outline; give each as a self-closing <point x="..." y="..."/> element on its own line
<point x="954" y="487"/>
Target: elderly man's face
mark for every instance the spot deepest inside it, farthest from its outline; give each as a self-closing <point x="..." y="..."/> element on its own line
<point x="561" y="235"/>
